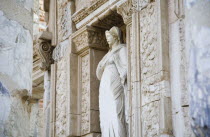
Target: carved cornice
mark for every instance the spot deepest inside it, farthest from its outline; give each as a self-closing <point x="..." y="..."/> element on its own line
<point x="80" y="15"/>
<point x="89" y="37"/>
<point x="44" y="50"/>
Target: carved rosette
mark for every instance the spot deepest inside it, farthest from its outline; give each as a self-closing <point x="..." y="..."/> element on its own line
<point x="89" y="37"/>
<point x="44" y="49"/>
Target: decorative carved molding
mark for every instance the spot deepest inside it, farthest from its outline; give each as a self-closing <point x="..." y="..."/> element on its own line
<point x="111" y="19"/>
<point x="44" y="50"/>
<point x="89" y="37"/>
<point x="80" y="15"/>
<point x="126" y="9"/>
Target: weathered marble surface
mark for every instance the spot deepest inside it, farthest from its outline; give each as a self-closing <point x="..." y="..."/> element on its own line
<point x="15" y="55"/>
<point x="20" y="11"/>
<point x="112" y="73"/>
<point x="61" y="98"/>
<point x="15" y="80"/>
<point x="178" y="69"/>
<point x="198" y="44"/>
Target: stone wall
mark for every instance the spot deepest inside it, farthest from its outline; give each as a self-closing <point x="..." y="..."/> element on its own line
<point x="18" y="111"/>
<point x="149" y="59"/>
<point x="20" y="11"/>
<point x="157" y="64"/>
<point x="15" y="55"/>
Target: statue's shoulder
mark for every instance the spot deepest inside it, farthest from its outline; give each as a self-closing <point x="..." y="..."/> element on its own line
<point x="123" y="48"/>
<point x="122" y="52"/>
<point x="123" y="45"/>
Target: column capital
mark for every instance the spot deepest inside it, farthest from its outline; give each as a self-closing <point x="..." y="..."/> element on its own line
<point x="89" y="37"/>
<point x="44" y="50"/>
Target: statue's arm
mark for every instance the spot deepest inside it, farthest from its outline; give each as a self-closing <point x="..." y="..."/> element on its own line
<point x="100" y="67"/>
<point x="99" y="70"/>
<point x="121" y="63"/>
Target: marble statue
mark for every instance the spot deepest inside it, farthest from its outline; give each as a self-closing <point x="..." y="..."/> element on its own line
<point x="112" y="73"/>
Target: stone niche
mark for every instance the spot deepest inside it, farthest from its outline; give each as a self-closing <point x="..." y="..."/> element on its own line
<point x="88" y="46"/>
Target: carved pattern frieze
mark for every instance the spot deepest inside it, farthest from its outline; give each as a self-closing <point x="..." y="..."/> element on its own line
<point x="148" y="40"/>
<point x="81" y="41"/>
<point x="44" y="50"/>
<point x="126" y="9"/>
<point x="149" y="62"/>
<point x="87" y="11"/>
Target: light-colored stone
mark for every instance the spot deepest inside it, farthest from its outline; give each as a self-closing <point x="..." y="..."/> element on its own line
<point x="61" y="98"/>
<point x="15" y="55"/>
<point x="20" y="11"/>
<point x="157" y="97"/>
<point x="60" y="50"/>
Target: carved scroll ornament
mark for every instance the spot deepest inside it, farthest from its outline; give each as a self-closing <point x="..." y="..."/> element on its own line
<point x="44" y="50"/>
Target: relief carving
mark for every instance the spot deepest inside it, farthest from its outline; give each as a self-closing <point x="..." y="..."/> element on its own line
<point x="89" y="37"/>
<point x="148" y="40"/>
<point x="125" y="10"/>
<point x="44" y="50"/>
<point x="80" y="15"/>
<point x="149" y="79"/>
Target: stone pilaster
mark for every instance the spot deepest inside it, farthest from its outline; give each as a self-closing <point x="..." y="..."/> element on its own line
<point x="89" y="46"/>
<point x="148" y="78"/>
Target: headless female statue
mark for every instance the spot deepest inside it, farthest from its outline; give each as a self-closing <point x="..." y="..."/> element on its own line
<point x="112" y="73"/>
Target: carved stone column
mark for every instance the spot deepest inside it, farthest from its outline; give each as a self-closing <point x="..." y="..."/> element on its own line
<point x="148" y="67"/>
<point x="89" y="47"/>
<point x="131" y="19"/>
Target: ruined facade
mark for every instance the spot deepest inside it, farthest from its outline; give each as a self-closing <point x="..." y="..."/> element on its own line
<point x="64" y="40"/>
<point x="154" y="32"/>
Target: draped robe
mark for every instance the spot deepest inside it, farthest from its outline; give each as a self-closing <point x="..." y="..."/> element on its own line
<point x="112" y="73"/>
